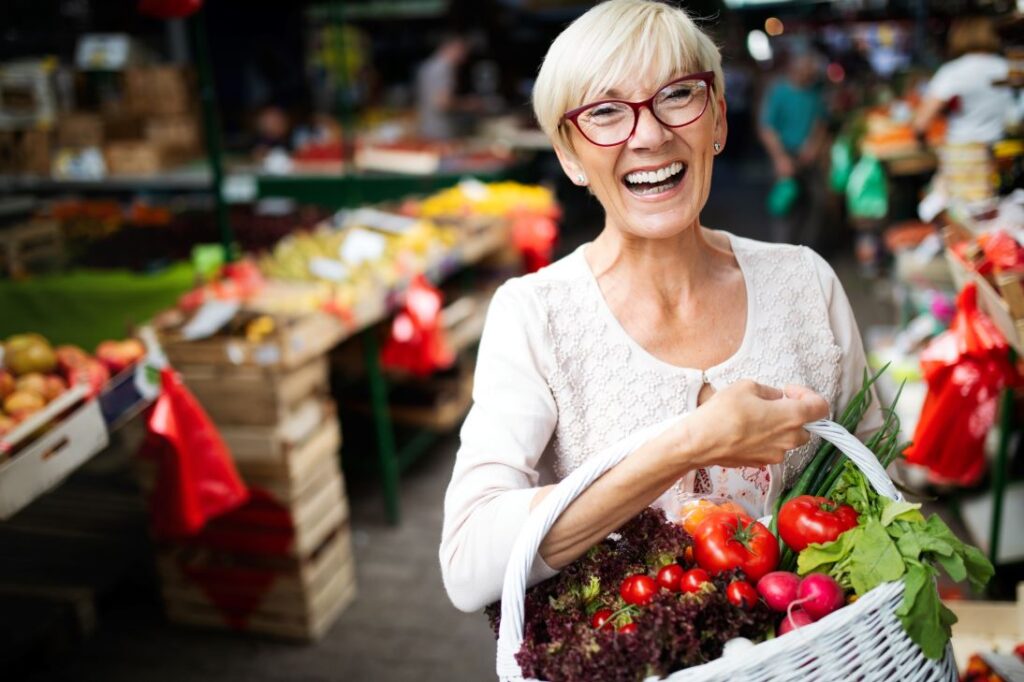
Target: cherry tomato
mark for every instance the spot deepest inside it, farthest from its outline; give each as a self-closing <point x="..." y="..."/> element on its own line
<point x="628" y="628"/>
<point x="638" y="589"/>
<point x="806" y="519"/>
<point x="693" y="580"/>
<point x="727" y="541"/>
<point x="669" y="577"/>
<point x="741" y="594"/>
<point x="600" y="620"/>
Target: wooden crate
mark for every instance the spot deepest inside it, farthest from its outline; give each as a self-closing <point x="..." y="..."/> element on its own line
<point x="253" y="395"/>
<point x="289" y="598"/>
<point x="30" y="247"/>
<point x="992" y="302"/>
<point x="286" y="449"/>
<point x="295" y="341"/>
<point x="134" y="158"/>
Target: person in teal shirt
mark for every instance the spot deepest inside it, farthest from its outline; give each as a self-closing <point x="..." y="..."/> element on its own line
<point x="792" y="129"/>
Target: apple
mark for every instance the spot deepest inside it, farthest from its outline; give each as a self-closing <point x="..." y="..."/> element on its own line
<point x="21" y="404"/>
<point x="7" y="384"/>
<point x="6" y="425"/>
<point x="54" y="387"/>
<point x="118" y="355"/>
<point x="29" y="353"/>
<point x="93" y="374"/>
<point x="69" y="357"/>
<point x="32" y="383"/>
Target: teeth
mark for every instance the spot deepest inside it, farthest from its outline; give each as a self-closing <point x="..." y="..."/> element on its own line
<point x="659" y="175"/>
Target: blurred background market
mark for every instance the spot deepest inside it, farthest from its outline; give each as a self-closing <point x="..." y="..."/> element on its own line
<point x="304" y="207"/>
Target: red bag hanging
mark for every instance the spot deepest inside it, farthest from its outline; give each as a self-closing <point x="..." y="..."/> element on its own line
<point x="169" y="9"/>
<point x="417" y="343"/>
<point x="966" y="368"/>
<point x="196" y="478"/>
<point x="534" y="236"/>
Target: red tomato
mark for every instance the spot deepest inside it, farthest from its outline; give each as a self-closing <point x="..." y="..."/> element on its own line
<point x="600" y="620"/>
<point x="638" y="589"/>
<point x="727" y="541"/>
<point x="628" y="628"/>
<point x="806" y="519"/>
<point x="693" y="580"/>
<point x="741" y="594"/>
<point x="669" y="577"/>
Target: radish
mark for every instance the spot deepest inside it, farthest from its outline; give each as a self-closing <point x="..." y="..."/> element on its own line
<point x="797" y="619"/>
<point x="819" y="595"/>
<point x="779" y="589"/>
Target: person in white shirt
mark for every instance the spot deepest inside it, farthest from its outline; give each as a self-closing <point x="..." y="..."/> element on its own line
<point x="436" y="81"/>
<point x="658" y="317"/>
<point x="966" y="86"/>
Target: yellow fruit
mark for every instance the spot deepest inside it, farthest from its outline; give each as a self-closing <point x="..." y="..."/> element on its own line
<point x="30" y="355"/>
<point x="32" y="383"/>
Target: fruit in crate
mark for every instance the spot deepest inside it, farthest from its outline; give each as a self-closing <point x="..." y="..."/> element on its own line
<point x="69" y="357"/>
<point x="54" y="387"/>
<point x="6" y="424"/>
<point x="119" y="355"/>
<point x="27" y="353"/>
<point x="32" y="383"/>
<point x="491" y="199"/>
<point x="91" y="373"/>
<point x="21" y="404"/>
<point x="7" y="384"/>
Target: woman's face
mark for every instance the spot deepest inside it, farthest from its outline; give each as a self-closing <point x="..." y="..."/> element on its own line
<point x="638" y="208"/>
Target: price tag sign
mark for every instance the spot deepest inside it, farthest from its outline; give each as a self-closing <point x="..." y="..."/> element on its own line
<point x="378" y="220"/>
<point x="102" y="52"/>
<point x="362" y="245"/>
<point x="329" y="269"/>
<point x="239" y="189"/>
<point x="211" y="317"/>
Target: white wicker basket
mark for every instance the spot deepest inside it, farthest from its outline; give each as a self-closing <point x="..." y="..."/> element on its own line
<point x="862" y="641"/>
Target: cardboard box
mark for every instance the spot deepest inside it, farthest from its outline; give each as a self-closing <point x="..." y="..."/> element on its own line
<point x="38" y="465"/>
<point x="133" y="158"/>
<point x="158" y="90"/>
<point x="80" y="129"/>
<point x="178" y="133"/>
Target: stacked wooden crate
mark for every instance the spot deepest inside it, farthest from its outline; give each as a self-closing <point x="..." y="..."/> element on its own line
<point x="282" y="564"/>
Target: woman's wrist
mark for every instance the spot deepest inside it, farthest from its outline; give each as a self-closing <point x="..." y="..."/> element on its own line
<point x="686" y="445"/>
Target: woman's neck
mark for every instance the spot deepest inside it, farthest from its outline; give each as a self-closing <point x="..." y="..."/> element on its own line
<point x="672" y="270"/>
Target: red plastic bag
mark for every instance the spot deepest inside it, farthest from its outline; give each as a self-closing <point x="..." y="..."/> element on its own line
<point x="1002" y="251"/>
<point x="417" y="343"/>
<point x="196" y="478"/>
<point x="169" y="9"/>
<point x="966" y="368"/>
<point x="534" y="236"/>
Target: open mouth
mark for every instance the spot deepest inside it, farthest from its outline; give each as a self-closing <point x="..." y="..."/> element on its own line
<point x="652" y="182"/>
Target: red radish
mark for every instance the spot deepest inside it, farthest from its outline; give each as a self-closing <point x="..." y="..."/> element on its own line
<point x="819" y="595"/>
<point x="779" y="589"/>
<point x="793" y="621"/>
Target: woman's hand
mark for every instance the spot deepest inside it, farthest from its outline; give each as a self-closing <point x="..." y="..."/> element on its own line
<point x="749" y="424"/>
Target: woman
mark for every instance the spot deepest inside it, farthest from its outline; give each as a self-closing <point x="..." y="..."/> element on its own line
<point x="658" y="316"/>
<point x="979" y="109"/>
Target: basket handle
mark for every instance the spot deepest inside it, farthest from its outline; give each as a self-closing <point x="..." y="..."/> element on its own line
<point x="543" y="517"/>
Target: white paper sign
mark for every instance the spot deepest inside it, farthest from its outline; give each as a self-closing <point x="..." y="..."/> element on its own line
<point x="102" y="52"/>
<point x="329" y="269"/>
<point x="210" y="319"/>
<point x="378" y="220"/>
<point x="239" y="189"/>
<point x="362" y="245"/>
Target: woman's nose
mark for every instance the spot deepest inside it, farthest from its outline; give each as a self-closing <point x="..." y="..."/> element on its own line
<point x="649" y="132"/>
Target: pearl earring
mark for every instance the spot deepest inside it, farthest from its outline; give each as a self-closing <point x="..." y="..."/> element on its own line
<point x="718" y="147"/>
<point x="581" y="178"/>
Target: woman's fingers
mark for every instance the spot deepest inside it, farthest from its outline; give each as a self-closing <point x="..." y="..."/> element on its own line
<point x="812" y="405"/>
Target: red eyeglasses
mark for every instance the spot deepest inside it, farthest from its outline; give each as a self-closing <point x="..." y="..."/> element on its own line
<point x="676" y="104"/>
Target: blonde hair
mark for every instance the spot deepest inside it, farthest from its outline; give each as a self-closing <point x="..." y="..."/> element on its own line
<point x="973" y="34"/>
<point x="612" y="44"/>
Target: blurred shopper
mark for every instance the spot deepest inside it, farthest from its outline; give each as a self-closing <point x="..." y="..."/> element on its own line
<point x="436" y="81"/>
<point x="978" y="110"/>
<point x="792" y="129"/>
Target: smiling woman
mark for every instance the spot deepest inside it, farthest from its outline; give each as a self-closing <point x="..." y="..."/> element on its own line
<point x="735" y="344"/>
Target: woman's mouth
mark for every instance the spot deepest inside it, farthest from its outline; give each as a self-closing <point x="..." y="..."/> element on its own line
<point x="653" y="182"/>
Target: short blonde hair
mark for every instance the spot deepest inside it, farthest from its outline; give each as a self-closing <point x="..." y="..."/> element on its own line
<point x="610" y="45"/>
<point x="973" y="34"/>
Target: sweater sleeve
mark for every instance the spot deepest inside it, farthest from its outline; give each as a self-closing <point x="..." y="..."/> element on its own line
<point x="495" y="476"/>
<point x="847" y="337"/>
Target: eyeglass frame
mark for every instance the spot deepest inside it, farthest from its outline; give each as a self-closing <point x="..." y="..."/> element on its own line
<point x="573" y="115"/>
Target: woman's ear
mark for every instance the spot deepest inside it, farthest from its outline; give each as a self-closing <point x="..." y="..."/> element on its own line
<point x="571" y="166"/>
<point x="721" y="125"/>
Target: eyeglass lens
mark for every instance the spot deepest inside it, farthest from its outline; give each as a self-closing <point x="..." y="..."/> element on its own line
<point x="675" y="105"/>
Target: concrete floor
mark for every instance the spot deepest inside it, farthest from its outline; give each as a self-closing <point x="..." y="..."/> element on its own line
<point x="401" y="627"/>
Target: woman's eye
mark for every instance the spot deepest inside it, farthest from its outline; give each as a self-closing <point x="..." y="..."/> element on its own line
<point x="679" y="93"/>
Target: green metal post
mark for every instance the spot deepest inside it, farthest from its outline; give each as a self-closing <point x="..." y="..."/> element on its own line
<point x="386" y="452"/>
<point x="999" y="471"/>
<point x="211" y="127"/>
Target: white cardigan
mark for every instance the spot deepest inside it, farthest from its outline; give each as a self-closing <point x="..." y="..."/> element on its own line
<point x="558" y="379"/>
